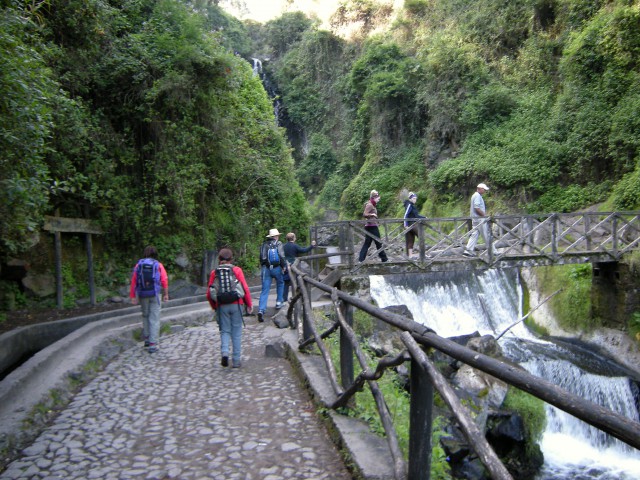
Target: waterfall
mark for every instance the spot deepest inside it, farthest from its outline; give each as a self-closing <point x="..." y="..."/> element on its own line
<point x="257" y="67"/>
<point x="454" y="304"/>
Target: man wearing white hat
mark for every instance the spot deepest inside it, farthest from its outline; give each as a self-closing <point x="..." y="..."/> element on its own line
<point x="273" y="264"/>
<point x="478" y="215"/>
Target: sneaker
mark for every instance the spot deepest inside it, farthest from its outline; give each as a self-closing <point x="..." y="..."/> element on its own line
<point x="225" y="361"/>
<point x="153" y="348"/>
<point x="469" y="254"/>
<point x="260" y="317"/>
<point x="279" y="306"/>
<point x="235" y="365"/>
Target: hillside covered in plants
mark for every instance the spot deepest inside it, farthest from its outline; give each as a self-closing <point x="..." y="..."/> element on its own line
<point x="146" y="117"/>
<point x="138" y="115"/>
<point x="538" y="98"/>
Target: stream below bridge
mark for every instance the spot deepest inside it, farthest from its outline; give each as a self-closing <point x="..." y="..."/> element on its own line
<point x="456" y="304"/>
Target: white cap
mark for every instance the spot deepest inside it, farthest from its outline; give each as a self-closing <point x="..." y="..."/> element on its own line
<point x="483" y="186"/>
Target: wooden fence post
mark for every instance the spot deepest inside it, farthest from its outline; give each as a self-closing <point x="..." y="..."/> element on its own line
<point x="307" y="331"/>
<point x="420" y="423"/>
<point x="92" y="285"/>
<point x="57" y="238"/>
<point x="346" y="349"/>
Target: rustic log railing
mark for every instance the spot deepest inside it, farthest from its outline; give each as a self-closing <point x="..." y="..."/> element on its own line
<point x="425" y="378"/>
<point x="514" y="240"/>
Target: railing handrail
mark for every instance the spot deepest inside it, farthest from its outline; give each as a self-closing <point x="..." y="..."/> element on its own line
<point x="600" y="417"/>
<point x="512" y="239"/>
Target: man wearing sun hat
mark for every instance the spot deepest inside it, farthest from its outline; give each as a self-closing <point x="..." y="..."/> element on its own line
<point x="478" y="213"/>
<point x="273" y="264"/>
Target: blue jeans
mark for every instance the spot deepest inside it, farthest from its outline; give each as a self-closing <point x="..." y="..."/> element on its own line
<point x="151" y="307"/>
<point x="229" y="319"/>
<point x="267" y="275"/>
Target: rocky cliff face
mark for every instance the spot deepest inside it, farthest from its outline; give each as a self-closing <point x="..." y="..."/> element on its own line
<point x="615" y="342"/>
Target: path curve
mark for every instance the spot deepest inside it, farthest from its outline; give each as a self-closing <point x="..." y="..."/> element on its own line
<point x="179" y="414"/>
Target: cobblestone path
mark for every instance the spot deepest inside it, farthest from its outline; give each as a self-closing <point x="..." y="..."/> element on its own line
<point x="179" y="414"/>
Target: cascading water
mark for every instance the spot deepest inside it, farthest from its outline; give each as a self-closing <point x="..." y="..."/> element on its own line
<point x="489" y="303"/>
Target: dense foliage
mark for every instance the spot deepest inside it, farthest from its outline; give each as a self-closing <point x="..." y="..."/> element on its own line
<point x="140" y="115"/>
<point x="538" y="98"/>
<point x="146" y="116"/>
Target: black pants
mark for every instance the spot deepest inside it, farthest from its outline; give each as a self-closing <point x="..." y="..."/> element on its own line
<point x="367" y="243"/>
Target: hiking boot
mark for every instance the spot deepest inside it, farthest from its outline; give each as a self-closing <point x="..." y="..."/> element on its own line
<point x="153" y="348"/>
<point x="260" y="317"/>
<point x="225" y="361"/>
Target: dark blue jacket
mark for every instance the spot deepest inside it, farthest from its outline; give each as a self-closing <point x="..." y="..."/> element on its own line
<point x="292" y="250"/>
<point x="410" y="211"/>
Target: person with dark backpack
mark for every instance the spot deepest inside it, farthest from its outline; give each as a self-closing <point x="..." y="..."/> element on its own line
<point x="227" y="292"/>
<point x="273" y="265"/>
<point x="149" y="285"/>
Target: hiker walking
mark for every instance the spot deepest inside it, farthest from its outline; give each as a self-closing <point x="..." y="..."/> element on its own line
<point x="227" y="292"/>
<point x="273" y="265"/>
<point x="149" y="285"/>
<point x="410" y="214"/>
<point x="371" y="214"/>
<point x="478" y="214"/>
<point x="291" y="251"/>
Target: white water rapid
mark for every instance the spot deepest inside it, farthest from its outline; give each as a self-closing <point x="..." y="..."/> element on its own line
<point x="489" y="303"/>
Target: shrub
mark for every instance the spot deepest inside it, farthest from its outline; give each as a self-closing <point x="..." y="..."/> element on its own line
<point x="571" y="307"/>
<point x="532" y="411"/>
<point x="626" y="194"/>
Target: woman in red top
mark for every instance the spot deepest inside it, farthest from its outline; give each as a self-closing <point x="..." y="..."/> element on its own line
<point x="229" y="315"/>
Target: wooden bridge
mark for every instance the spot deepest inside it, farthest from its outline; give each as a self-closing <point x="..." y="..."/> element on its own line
<point x="514" y="241"/>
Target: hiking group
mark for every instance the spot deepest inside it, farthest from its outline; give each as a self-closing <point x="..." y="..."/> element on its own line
<point x="477" y="212"/>
<point x="228" y="291"/>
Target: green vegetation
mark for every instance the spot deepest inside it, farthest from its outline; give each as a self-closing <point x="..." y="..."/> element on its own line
<point x="537" y="98"/>
<point x="138" y="115"/>
<point x="572" y="307"/>
<point x="532" y="411"/>
<point x="397" y="400"/>
<point x="634" y="326"/>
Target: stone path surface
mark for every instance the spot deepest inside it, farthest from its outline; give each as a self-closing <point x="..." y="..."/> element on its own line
<point x="178" y="414"/>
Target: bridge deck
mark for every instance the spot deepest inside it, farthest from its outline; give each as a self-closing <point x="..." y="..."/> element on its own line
<point x="513" y="240"/>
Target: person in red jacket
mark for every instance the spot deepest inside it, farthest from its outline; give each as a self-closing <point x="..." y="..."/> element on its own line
<point x="149" y="284"/>
<point x="229" y="315"/>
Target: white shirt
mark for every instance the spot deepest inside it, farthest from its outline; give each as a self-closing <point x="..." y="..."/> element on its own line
<point x="477" y="202"/>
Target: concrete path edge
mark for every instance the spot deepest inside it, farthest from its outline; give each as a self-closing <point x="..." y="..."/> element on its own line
<point x="369" y="453"/>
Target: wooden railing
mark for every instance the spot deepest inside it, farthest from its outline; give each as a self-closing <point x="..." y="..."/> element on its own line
<point x="514" y="240"/>
<point x="425" y="379"/>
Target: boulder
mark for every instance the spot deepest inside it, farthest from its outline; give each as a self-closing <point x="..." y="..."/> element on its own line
<point x="40" y="285"/>
<point x="484" y="387"/>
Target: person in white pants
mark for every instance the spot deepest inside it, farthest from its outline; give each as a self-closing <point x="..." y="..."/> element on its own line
<point x="478" y="213"/>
